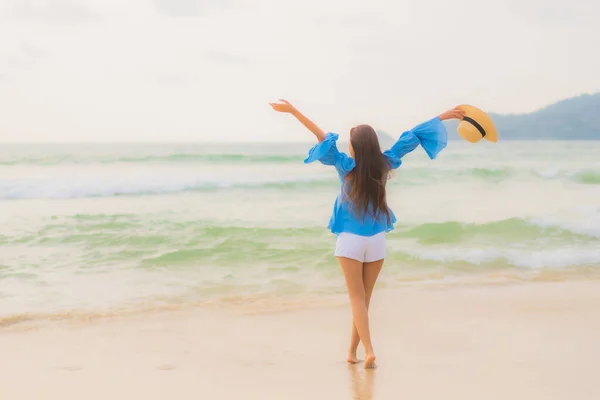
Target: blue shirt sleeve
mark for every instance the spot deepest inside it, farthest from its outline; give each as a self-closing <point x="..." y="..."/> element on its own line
<point x="328" y="154"/>
<point x="431" y="135"/>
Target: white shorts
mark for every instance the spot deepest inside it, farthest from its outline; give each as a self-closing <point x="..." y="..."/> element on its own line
<point x="361" y="248"/>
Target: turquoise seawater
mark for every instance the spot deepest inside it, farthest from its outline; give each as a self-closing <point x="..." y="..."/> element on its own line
<point x="117" y="228"/>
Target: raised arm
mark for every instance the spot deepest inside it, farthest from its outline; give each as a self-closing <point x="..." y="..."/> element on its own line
<point x="431" y="135"/>
<point x="326" y="151"/>
<point x="286" y="107"/>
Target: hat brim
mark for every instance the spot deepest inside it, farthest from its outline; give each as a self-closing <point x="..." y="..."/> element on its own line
<point x="476" y="125"/>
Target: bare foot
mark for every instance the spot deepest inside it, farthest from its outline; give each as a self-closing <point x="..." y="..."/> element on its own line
<point x="352" y="358"/>
<point x="370" y="361"/>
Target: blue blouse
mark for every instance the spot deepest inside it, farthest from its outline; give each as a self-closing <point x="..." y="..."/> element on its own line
<point x="431" y="135"/>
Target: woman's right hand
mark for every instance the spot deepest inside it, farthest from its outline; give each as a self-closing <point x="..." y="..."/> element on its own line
<point x="283" y="106"/>
<point x="455" y="113"/>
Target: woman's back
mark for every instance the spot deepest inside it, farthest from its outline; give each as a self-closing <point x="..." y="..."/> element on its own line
<point x="364" y="174"/>
<point x="366" y="183"/>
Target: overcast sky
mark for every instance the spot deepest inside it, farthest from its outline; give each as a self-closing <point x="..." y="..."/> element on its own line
<point x="204" y="70"/>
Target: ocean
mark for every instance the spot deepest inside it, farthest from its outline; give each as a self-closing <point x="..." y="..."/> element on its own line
<point x="96" y="230"/>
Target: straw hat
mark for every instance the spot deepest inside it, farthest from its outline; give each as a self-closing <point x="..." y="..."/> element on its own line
<point x="476" y="125"/>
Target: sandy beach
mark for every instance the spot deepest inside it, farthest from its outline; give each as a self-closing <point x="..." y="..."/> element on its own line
<point x="529" y="341"/>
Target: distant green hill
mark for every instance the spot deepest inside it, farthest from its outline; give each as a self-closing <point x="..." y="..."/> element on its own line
<point x="577" y="118"/>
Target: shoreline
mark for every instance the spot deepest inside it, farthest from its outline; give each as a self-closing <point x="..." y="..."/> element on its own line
<point x="530" y="341"/>
<point x="275" y="303"/>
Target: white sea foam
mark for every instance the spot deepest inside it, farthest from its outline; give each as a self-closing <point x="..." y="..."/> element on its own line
<point x="526" y="258"/>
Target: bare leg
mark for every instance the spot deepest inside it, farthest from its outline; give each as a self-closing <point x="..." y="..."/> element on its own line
<point x="370" y="273"/>
<point x="353" y="272"/>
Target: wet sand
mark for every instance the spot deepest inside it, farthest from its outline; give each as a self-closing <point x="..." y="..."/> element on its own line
<point x="527" y="341"/>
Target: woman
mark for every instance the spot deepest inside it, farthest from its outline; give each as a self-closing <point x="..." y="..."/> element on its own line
<point x="361" y="216"/>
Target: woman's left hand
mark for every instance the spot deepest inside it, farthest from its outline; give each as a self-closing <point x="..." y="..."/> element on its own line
<point x="455" y="113"/>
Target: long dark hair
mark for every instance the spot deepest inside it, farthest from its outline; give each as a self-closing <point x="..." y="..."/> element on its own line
<point x="366" y="182"/>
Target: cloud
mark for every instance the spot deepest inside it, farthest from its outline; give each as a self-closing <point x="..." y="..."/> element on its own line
<point x="171" y="80"/>
<point x="187" y="8"/>
<point x="31" y="51"/>
<point x="53" y="11"/>
<point x="224" y="57"/>
<point x="21" y="57"/>
<point x="555" y="12"/>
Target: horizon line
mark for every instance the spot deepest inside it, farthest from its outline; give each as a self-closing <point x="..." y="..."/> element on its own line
<point x="260" y="142"/>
